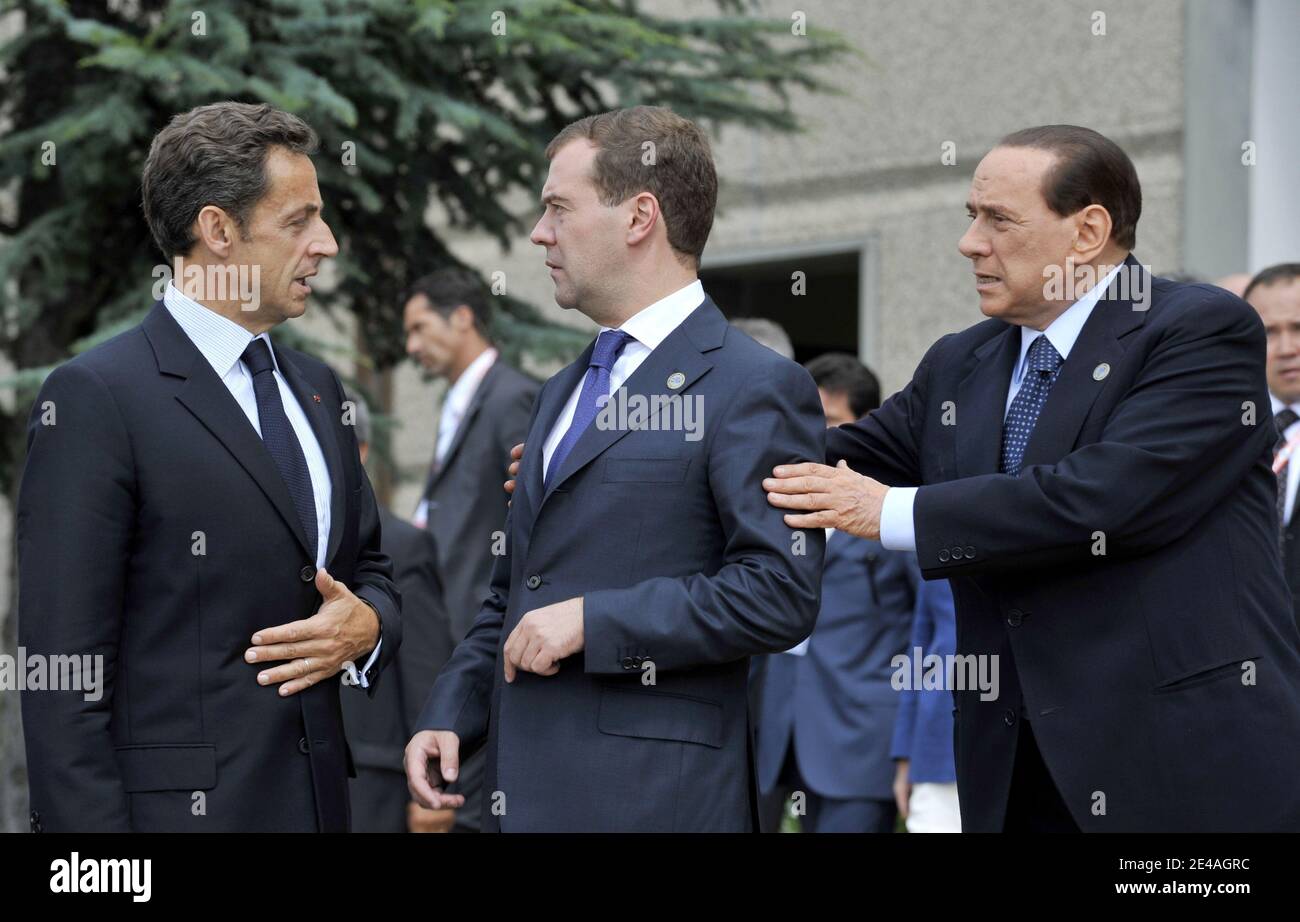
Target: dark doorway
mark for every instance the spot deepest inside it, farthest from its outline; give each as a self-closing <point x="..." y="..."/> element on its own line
<point x="822" y="319"/>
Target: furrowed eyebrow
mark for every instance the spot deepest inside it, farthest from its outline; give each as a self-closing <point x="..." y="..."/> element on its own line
<point x="305" y="211"/>
<point x="990" y="207"/>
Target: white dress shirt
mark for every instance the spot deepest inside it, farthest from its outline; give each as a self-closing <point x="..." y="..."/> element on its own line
<point x="649" y="327"/>
<point x="458" y="399"/>
<point x="897" y="527"/>
<point x="222" y="342"/>
<point x="1291" y="433"/>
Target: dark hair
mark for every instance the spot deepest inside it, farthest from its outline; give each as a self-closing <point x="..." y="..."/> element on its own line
<point x="214" y="155"/>
<point x="1273" y="275"/>
<point x="680" y="173"/>
<point x="451" y="287"/>
<point x="841" y="373"/>
<point x="1090" y="169"/>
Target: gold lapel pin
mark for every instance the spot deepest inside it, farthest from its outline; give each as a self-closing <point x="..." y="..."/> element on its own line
<point x="676" y="380"/>
<point x="1100" y="372"/>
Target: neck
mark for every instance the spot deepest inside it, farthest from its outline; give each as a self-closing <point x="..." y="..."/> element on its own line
<point x="640" y="294"/>
<point x="1084" y="278"/>
<point x="466" y="359"/>
<point x="195" y="278"/>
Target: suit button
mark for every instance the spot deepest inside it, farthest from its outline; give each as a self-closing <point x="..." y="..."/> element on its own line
<point x="957" y="553"/>
<point x="944" y="555"/>
<point x="629" y="663"/>
<point x="534" y="581"/>
<point x="1014" y="617"/>
<point x="303" y="747"/>
<point x="970" y="552"/>
<point x="307" y="574"/>
<point x="36" y="822"/>
<point x="1009" y="718"/>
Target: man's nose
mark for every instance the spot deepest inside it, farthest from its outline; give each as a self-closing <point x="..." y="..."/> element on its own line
<point x="541" y="235"/>
<point x="973" y="243"/>
<point x="326" y="245"/>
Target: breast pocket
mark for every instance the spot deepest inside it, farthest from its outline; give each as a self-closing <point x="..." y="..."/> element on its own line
<point x="646" y="470"/>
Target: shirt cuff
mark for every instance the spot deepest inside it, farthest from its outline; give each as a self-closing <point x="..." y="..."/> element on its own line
<point x="897" y="528"/>
<point x="359" y="677"/>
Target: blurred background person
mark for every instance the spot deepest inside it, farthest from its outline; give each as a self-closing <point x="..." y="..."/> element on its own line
<point x="1235" y="283"/>
<point x="1275" y="294"/>
<point x="826" y="711"/>
<point x="447" y="318"/>
<point x="767" y="332"/>
<point x="925" y="773"/>
<point x="378" y="727"/>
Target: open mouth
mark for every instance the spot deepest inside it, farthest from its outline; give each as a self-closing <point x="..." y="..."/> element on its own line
<point x="986" y="281"/>
<point x="301" y="285"/>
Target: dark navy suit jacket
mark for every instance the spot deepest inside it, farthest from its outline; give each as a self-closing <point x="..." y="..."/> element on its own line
<point x="1124" y="576"/>
<point x="683" y="566"/>
<point x="836" y="701"/>
<point x="149" y="451"/>
<point x="924" y="729"/>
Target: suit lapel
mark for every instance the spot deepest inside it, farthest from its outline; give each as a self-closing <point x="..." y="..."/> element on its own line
<point x="320" y="415"/>
<point x="552" y="400"/>
<point x="206" y="396"/>
<point x="681" y="351"/>
<point x="475" y="404"/>
<point x="981" y="404"/>
<point x="1083" y="377"/>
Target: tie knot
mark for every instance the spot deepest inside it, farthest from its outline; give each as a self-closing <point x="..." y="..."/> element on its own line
<point x="1284" y="419"/>
<point x="258" y="357"/>
<point x="609" y="345"/>
<point x="1043" y="356"/>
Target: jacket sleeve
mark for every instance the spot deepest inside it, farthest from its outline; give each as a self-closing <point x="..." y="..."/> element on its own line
<point x="76" y="517"/>
<point x="766" y="595"/>
<point x="373" y="575"/>
<point x="1195" y="421"/>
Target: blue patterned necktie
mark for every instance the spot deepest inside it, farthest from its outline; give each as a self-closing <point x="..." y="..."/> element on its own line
<point x="609" y="346"/>
<point x="1044" y="366"/>
<point x="279" y="437"/>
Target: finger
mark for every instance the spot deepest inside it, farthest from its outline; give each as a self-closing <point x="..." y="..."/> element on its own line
<point x="513" y="469"/>
<point x="328" y="586"/>
<point x="416" y="764"/>
<point x="270" y="653"/>
<point x="294" y="669"/>
<point x="292" y="632"/>
<point x="294" y="686"/>
<point x="508" y="486"/>
<point x="811" y="520"/>
<point x="801" y="501"/>
<point x="449" y="763"/>
<point x="517" y="452"/>
<point x="509" y="652"/>
<point x="535" y="658"/>
<point x="796" y="485"/>
<point x="804" y="469"/>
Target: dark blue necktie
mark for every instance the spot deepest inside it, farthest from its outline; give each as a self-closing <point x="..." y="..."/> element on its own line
<point x="609" y="345"/>
<point x="279" y="437"/>
<point x="1044" y="365"/>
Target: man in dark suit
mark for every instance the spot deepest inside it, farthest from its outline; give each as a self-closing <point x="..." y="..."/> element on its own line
<point x="607" y="669"/>
<point x="193" y="511"/>
<point x="827" y="708"/>
<point x="1275" y="294"/>
<point x="447" y="319"/>
<point x="1090" y="468"/>
<point x="378" y="727"/>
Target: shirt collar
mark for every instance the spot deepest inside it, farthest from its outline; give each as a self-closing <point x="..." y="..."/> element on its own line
<point x="651" y="325"/>
<point x="1064" y="331"/>
<point x="220" y="339"/>
<point x="460" y="393"/>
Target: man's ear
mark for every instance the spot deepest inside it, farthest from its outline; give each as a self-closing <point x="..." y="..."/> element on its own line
<point x="216" y="230"/>
<point x="1092" y="227"/>
<point x="643" y="218"/>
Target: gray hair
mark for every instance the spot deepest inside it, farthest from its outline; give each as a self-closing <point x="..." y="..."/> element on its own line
<point x="767" y="333"/>
<point x="360" y="417"/>
<point x="214" y="155"/>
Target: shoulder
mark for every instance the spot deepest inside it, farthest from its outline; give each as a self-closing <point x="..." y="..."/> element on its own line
<point x="508" y="383"/>
<point x="123" y="358"/>
<point x="1201" y="308"/>
<point x="760" y="365"/>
